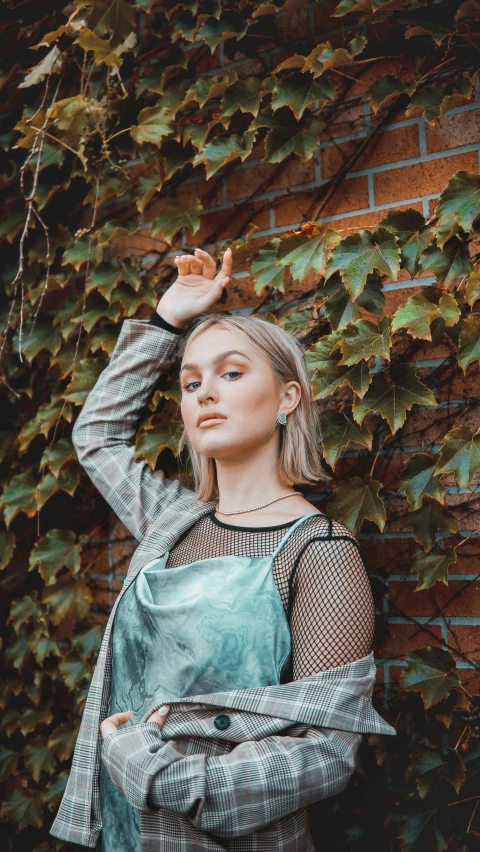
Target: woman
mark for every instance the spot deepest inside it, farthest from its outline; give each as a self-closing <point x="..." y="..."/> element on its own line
<point x="270" y="616"/>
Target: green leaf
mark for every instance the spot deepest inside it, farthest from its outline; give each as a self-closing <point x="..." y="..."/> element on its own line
<point x="324" y="56"/>
<point x="298" y="91"/>
<point x="18" y="650"/>
<point x="328" y="375"/>
<point x="340" y="310"/>
<point x="418" y="313"/>
<point x="116" y="18"/>
<point x="39" y="758"/>
<point x="154" y="125"/>
<point x="153" y="441"/>
<point x="175" y="215"/>
<point x="84" y="378"/>
<point x="393" y="399"/>
<point x="363" y="340"/>
<point x="431" y="671"/>
<point x="222" y="150"/>
<point x="356" y="501"/>
<point x="289" y="136"/>
<point x="303" y="253"/>
<point x="45" y="646"/>
<point x="431" y="766"/>
<point x="460" y="455"/>
<point x="62" y="740"/>
<point x="8" y="762"/>
<point x="41" y="336"/>
<point x="432" y="567"/>
<point x="448" y="264"/>
<point x="458" y="206"/>
<point x="50" y="64"/>
<point x="45" y="419"/>
<point x="19" y="496"/>
<point x="55" y="789"/>
<point x="420" y="479"/>
<point x="57" y="455"/>
<point x="426" y="522"/>
<point x="473" y="288"/>
<point x="386" y="90"/>
<point x="434" y="101"/>
<point x="23" y="808"/>
<point x="266" y="271"/>
<point x="67" y="480"/>
<point x="70" y="596"/>
<point x="7" y="548"/>
<point x="337" y="431"/>
<point x="244" y="95"/>
<point x="131" y="301"/>
<point x="229" y="25"/>
<point x="102" y="48"/>
<point x="88" y="641"/>
<point x="72" y="669"/>
<point x="417" y="829"/>
<point x="56" y="550"/>
<point x="469" y="341"/>
<point x="23" y="609"/>
<point x="360" y="254"/>
<point x="412" y="234"/>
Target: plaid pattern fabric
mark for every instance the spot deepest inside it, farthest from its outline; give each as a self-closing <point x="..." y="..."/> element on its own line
<point x="321" y="732"/>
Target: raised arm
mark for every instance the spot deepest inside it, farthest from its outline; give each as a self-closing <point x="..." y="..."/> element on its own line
<point x="104" y="432"/>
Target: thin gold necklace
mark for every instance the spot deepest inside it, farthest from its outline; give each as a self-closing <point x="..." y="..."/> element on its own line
<point x="241" y="511"/>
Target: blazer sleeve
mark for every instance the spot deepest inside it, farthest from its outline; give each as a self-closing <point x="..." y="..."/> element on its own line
<point x="104" y="432"/>
<point x="257" y="783"/>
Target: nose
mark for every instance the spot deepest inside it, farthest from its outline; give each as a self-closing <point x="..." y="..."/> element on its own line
<point x="208" y="391"/>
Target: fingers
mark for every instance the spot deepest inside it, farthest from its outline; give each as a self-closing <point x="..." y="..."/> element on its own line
<point x="183" y="265"/>
<point x="110" y="725"/>
<point x="226" y="269"/>
<point x="209" y="265"/>
<point x="160" y="715"/>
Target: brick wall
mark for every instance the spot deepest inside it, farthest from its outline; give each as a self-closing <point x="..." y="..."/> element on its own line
<point x="407" y="165"/>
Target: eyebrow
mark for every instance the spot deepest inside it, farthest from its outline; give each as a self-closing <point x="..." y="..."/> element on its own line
<point x="218" y="359"/>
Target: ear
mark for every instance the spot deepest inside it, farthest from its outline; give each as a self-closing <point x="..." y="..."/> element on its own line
<point x="291" y="397"/>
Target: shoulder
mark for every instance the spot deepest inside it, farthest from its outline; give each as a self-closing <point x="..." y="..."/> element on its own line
<point x="323" y="538"/>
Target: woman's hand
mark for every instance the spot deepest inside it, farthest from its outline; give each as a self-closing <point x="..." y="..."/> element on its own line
<point x="196" y="289"/>
<point x="110" y="725"/>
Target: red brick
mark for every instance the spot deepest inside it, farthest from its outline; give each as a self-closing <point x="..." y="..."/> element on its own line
<point x="465" y="508"/>
<point x="121" y="556"/>
<point x="244" y="183"/>
<point x="428" y="425"/>
<point x="468" y="556"/>
<point x="209" y="192"/>
<point x="292" y="209"/>
<point x="388" y="555"/>
<point x="294" y="24"/>
<point x="422" y="178"/>
<point x="231" y="223"/>
<point x="349" y="118"/>
<point x="405" y="638"/>
<point x="458" y="598"/>
<point x="403" y="68"/>
<point x="452" y="131"/>
<point x="367" y="220"/>
<point x="119" y="531"/>
<point x="388" y="147"/>
<point x="465" y="639"/>
<point x="96" y="559"/>
<point x="454" y="384"/>
<point x="470" y="680"/>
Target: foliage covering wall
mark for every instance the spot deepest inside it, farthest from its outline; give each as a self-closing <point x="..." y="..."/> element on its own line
<point x="109" y="111"/>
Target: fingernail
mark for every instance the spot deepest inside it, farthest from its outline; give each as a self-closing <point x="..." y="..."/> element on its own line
<point x="164" y="708"/>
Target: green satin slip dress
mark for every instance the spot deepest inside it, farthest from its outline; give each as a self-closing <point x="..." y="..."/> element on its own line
<point x="213" y="625"/>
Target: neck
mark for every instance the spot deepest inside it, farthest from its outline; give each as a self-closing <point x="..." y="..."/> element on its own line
<point x="250" y="479"/>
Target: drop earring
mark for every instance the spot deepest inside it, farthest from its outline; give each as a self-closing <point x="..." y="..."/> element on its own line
<point x="281" y="418"/>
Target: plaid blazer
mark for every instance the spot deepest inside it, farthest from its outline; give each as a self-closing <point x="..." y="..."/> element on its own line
<point x="244" y="788"/>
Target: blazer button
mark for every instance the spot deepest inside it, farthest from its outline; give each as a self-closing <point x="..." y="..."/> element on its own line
<point x="221" y="722"/>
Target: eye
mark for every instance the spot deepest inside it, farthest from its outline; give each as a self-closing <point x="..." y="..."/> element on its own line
<point x="187" y="386"/>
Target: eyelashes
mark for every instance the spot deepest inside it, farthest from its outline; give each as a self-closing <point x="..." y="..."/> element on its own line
<point x="186" y="387"/>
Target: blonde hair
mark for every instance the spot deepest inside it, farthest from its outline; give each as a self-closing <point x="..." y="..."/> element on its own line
<point x="300" y="458"/>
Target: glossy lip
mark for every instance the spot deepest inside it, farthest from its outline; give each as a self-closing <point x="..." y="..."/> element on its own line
<point x="210" y="421"/>
<point x="210" y="415"/>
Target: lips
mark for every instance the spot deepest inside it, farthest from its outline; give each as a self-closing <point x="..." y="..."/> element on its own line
<point x="210" y="419"/>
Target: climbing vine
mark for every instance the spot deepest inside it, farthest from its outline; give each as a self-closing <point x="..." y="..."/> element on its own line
<point x="111" y="110"/>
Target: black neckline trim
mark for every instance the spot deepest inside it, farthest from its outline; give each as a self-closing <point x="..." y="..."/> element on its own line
<point x="216" y="521"/>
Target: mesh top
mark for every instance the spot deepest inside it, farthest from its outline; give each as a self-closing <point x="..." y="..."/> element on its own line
<point x="320" y="577"/>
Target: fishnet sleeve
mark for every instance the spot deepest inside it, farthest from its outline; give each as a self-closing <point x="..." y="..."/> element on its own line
<point x="333" y="614"/>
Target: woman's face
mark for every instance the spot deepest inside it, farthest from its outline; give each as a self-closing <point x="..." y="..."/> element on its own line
<point x="223" y="374"/>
